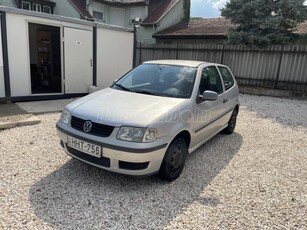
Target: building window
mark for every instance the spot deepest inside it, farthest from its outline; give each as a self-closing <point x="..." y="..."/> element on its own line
<point x="25" y="5"/>
<point x="98" y="15"/>
<point x="36" y="7"/>
<point x="47" y="9"/>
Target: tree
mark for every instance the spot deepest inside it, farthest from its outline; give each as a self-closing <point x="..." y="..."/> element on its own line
<point x="264" y="22"/>
<point x="187" y="7"/>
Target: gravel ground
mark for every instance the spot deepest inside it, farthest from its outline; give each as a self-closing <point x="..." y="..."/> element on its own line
<point x="253" y="179"/>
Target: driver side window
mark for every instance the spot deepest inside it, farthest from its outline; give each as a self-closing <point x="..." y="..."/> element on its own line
<point x="210" y="80"/>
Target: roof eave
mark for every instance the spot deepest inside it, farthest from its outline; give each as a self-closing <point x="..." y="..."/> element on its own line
<point x="162" y="16"/>
<point x="189" y="36"/>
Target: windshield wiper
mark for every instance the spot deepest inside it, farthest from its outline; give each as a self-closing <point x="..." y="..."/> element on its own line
<point x="123" y="87"/>
<point x="147" y="92"/>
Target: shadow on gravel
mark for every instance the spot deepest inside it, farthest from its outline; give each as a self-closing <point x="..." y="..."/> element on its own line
<point x="81" y="196"/>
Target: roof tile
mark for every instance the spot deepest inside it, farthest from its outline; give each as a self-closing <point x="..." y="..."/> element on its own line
<point x="82" y="10"/>
<point x="207" y="26"/>
<point x="157" y="14"/>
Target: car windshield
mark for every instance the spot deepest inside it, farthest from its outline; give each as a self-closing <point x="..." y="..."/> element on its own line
<point x="159" y="80"/>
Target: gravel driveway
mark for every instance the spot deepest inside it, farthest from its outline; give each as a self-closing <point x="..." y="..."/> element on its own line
<point x="253" y="179"/>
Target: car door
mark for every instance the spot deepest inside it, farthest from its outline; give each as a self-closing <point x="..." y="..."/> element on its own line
<point x="207" y="113"/>
<point x="230" y="94"/>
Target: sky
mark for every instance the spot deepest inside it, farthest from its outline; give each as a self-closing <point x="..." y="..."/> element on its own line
<point x="208" y="8"/>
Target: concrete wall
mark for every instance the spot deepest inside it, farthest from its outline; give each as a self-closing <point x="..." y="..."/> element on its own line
<point x="114" y="55"/>
<point x="2" y="89"/>
<point x="65" y="8"/>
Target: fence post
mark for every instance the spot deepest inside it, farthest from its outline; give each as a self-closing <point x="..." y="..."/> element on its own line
<point x="134" y="45"/>
<point x="279" y="66"/>
<point x="140" y="56"/>
<point x="222" y="57"/>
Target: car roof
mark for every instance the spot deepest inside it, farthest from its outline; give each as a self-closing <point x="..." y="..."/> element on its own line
<point x="179" y="62"/>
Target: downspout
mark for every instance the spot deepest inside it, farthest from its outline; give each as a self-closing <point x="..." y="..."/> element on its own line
<point x="6" y="71"/>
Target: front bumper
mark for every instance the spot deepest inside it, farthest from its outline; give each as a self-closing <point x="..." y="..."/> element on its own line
<point x="127" y="159"/>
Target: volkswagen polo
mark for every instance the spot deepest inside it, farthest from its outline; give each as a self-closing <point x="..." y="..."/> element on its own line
<point x="150" y="119"/>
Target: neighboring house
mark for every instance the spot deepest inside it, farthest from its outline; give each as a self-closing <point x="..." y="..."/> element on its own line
<point x="207" y="31"/>
<point x="67" y="8"/>
<point x="197" y="30"/>
<point x="151" y="15"/>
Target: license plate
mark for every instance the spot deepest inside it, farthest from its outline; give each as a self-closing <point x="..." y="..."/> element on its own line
<point x="83" y="146"/>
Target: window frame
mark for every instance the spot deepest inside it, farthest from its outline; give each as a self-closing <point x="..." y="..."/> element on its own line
<point x="98" y="12"/>
<point x="47" y="7"/>
<point x="231" y="74"/>
<point x="26" y="2"/>
<point x="36" y="5"/>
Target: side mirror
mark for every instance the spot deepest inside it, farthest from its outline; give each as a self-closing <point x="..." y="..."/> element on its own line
<point x="210" y="96"/>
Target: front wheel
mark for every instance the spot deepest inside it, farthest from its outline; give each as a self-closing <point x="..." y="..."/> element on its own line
<point x="232" y="122"/>
<point x="174" y="159"/>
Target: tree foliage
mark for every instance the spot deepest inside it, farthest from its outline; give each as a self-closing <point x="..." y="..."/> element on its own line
<point x="187" y="8"/>
<point x="264" y="22"/>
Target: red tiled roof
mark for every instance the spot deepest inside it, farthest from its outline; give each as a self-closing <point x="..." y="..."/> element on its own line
<point x="204" y="27"/>
<point x="301" y="28"/>
<point x="160" y="12"/>
<point x="81" y="9"/>
<point x="197" y="27"/>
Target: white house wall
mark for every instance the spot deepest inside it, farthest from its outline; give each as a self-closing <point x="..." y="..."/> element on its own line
<point x="114" y="52"/>
<point x="18" y="55"/>
<point x="66" y="9"/>
<point x="174" y="16"/>
<point x="118" y="15"/>
<point x="18" y="49"/>
<point x="114" y="55"/>
<point x="2" y="88"/>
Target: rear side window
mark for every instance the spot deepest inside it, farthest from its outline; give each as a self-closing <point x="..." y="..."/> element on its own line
<point x="227" y="77"/>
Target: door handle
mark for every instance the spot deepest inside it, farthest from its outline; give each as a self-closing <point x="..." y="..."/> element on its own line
<point x="225" y="100"/>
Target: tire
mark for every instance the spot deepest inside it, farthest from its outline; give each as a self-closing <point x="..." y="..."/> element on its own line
<point x="231" y="123"/>
<point x="174" y="159"/>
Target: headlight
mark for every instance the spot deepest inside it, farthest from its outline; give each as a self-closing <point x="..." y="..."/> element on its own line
<point x="134" y="134"/>
<point x="65" y="116"/>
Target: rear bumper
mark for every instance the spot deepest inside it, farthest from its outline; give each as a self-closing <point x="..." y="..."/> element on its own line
<point x="118" y="159"/>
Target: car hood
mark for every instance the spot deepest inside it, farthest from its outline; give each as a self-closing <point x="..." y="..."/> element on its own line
<point x="116" y="107"/>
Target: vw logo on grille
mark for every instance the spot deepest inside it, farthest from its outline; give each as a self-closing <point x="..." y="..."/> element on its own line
<point x="87" y="126"/>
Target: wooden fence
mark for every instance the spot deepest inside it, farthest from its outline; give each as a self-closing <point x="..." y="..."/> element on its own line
<point x="278" y="67"/>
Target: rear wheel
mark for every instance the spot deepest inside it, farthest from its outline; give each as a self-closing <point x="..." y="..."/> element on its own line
<point x="232" y="122"/>
<point x="174" y="159"/>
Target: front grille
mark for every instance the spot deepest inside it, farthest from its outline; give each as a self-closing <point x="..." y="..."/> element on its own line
<point x="103" y="161"/>
<point x="97" y="129"/>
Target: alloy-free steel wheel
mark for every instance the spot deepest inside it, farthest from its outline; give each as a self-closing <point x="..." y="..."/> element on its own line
<point x="232" y="122"/>
<point x="174" y="159"/>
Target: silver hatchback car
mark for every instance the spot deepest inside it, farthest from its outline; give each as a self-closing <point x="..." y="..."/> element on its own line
<point x="149" y="120"/>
